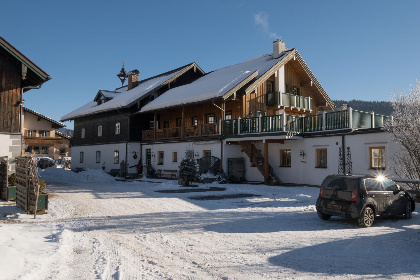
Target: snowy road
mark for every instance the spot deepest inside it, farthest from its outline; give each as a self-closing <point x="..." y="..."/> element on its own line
<point x="97" y="228"/>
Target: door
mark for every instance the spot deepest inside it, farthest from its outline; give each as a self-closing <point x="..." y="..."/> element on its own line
<point x="148" y="159"/>
<point x="396" y="202"/>
<point x="377" y="194"/>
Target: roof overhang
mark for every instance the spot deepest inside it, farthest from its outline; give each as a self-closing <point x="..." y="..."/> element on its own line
<point x="38" y="76"/>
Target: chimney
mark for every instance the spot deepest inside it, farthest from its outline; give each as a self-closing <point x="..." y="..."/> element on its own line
<point x="133" y="78"/>
<point x="278" y="47"/>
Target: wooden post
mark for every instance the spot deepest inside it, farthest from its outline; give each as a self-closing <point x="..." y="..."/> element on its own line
<point x="154" y="126"/>
<point x="182" y="123"/>
<point x="266" y="164"/>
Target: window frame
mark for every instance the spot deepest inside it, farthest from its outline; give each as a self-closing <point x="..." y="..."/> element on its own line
<point x="98" y="156"/>
<point x="99" y="130"/>
<point x="30" y="133"/>
<point x="116" y="157"/>
<point x="117" y="128"/>
<point x="381" y="158"/>
<point x="83" y="133"/>
<point x="43" y="133"/>
<point x="161" y="158"/>
<point x="36" y="150"/>
<point x="82" y="155"/>
<point x="44" y="150"/>
<point x="270" y="84"/>
<point x="320" y="158"/>
<point x="174" y="156"/>
<point x="286" y="161"/>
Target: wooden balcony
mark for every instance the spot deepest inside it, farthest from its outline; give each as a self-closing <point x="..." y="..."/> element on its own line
<point x="327" y="121"/>
<point x="186" y="132"/>
<point x="287" y="100"/>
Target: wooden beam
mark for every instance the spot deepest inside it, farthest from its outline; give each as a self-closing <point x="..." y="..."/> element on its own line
<point x="154" y="126"/>
<point x="306" y="83"/>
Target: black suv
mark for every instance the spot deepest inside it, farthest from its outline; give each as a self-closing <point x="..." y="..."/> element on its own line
<point x="362" y="197"/>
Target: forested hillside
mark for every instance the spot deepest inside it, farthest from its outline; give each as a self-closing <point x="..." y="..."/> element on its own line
<point x="379" y="107"/>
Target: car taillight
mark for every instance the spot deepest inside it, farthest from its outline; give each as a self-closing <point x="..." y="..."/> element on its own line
<point x="354" y="196"/>
<point x="320" y="192"/>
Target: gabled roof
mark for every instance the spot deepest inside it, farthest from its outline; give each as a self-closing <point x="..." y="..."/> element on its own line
<point x="35" y="76"/>
<point x="124" y="98"/>
<point x="59" y="124"/>
<point x="219" y="83"/>
<point x="62" y="135"/>
<point x="222" y="83"/>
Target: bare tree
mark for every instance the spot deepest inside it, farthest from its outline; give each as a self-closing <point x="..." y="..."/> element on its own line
<point x="405" y="127"/>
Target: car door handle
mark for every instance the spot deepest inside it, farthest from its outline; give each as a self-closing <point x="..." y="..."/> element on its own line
<point x="388" y="195"/>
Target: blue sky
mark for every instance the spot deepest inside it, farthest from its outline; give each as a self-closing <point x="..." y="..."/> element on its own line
<point x="363" y="50"/>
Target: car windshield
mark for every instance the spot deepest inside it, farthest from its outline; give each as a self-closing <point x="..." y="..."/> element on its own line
<point x="389" y="185"/>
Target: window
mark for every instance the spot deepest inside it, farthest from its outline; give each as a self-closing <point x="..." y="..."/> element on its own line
<point x="373" y="185"/>
<point x="389" y="185"/>
<point x="116" y="157"/>
<point x="211" y="118"/>
<point x="160" y="158"/>
<point x="228" y="115"/>
<point x="178" y="122"/>
<point x="81" y="156"/>
<point x="206" y="153"/>
<point x="43" y="133"/>
<point x="100" y="130"/>
<point x="296" y="91"/>
<point x="83" y="133"/>
<point x="117" y="128"/>
<point x="321" y="158"/>
<point x="174" y="157"/>
<point x="152" y="125"/>
<point x="285" y="158"/>
<point x="36" y="150"/>
<point x="166" y="124"/>
<point x="270" y="86"/>
<point x="377" y="157"/>
<point x="194" y="121"/>
<point x="44" y="150"/>
<point x="62" y="151"/>
<point x="29" y="133"/>
<point x="28" y="150"/>
<point x="98" y="156"/>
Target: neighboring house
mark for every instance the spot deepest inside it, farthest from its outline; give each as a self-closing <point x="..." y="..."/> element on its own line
<point x="41" y="139"/>
<point x="107" y="133"/>
<point x="17" y="75"/>
<point x="267" y="119"/>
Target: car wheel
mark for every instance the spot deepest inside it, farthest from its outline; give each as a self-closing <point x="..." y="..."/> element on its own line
<point x="367" y="217"/>
<point x="323" y="216"/>
<point x="407" y="213"/>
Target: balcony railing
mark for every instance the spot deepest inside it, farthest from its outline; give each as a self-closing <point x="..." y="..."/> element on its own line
<point x="346" y="119"/>
<point x="174" y="133"/>
<point x="275" y="99"/>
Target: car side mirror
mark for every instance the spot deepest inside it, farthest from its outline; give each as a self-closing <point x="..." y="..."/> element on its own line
<point x="396" y="191"/>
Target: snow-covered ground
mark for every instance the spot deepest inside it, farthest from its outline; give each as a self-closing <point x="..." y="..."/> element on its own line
<point x="98" y="228"/>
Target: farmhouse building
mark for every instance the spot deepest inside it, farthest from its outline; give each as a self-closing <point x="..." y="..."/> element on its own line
<point x="18" y="74"/>
<point x="266" y="119"/>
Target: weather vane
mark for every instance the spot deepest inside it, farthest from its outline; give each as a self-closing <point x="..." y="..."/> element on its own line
<point x="122" y="75"/>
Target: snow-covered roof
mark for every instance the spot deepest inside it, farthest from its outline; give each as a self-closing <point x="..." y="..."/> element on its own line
<point x="123" y="98"/>
<point x="44" y="117"/>
<point x="215" y="84"/>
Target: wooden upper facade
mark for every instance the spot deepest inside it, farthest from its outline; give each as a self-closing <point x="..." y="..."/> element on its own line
<point x="17" y="75"/>
<point x="287" y="91"/>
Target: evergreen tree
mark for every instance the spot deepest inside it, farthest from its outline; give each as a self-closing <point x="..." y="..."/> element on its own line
<point x="187" y="170"/>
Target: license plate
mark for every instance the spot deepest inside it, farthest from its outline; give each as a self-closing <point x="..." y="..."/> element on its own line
<point x="334" y="206"/>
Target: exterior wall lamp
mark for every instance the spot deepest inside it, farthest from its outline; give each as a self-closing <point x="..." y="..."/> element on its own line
<point x="302" y="153"/>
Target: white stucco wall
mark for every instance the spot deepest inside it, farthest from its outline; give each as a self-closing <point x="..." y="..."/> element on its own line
<point x="107" y="156"/>
<point x="180" y="149"/>
<point x="11" y="145"/>
<point x="303" y="169"/>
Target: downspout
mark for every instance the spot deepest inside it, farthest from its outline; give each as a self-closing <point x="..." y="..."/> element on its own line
<point x="343" y="146"/>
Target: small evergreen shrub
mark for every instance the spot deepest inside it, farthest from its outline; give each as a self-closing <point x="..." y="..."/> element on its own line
<point x="187" y="171"/>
